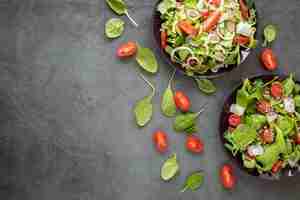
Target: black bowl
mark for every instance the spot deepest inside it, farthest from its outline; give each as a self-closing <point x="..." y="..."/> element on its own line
<point x="156" y="31"/>
<point x="223" y="125"/>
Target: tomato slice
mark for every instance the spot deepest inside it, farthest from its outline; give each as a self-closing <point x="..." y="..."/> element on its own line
<point x="215" y="2"/>
<point x="227" y="177"/>
<point x="160" y="141"/>
<point x="241" y="40"/>
<point x="277" y="90"/>
<point x="187" y="27"/>
<point x="163" y="39"/>
<point x="234" y="120"/>
<point x="194" y="144"/>
<point x="277" y="166"/>
<point x="126" y="50"/>
<point x="269" y="59"/>
<point x="212" y="21"/>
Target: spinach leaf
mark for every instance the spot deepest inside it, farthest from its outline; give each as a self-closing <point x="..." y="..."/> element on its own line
<point x="270" y="33"/>
<point x="297" y="100"/>
<point x="168" y="106"/>
<point x="243" y="97"/>
<point x="286" y="124"/>
<point x="288" y="85"/>
<point x="146" y="59"/>
<point x="206" y="86"/>
<point x="169" y="168"/>
<point x="165" y="5"/>
<point x="190" y="3"/>
<point x="143" y="108"/>
<point x="256" y="121"/>
<point x="114" y="28"/>
<point x="242" y="136"/>
<point x="193" y="181"/>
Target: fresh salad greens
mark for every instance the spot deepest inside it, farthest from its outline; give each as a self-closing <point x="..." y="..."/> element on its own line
<point x="264" y="125"/>
<point x="170" y="168"/>
<point x="114" y="28"/>
<point x="270" y="34"/>
<point x="202" y="36"/>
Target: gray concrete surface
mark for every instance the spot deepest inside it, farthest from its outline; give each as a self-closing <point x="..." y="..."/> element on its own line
<point x="66" y="125"/>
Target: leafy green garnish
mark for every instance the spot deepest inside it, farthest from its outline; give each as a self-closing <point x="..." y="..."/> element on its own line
<point x="255" y="121"/>
<point x="288" y="85"/>
<point x="193" y="181"/>
<point x="206" y="86"/>
<point x="242" y="136"/>
<point x="168" y="106"/>
<point x="146" y="59"/>
<point x="114" y="28"/>
<point x="286" y="124"/>
<point x="169" y="168"/>
<point x="165" y="5"/>
<point x="270" y="32"/>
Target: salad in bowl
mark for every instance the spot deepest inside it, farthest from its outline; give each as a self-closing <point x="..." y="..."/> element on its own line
<point x="206" y="36"/>
<point x="260" y="125"/>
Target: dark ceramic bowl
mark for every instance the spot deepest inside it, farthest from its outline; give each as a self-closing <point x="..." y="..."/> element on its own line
<point x="156" y="31"/>
<point x="224" y="125"/>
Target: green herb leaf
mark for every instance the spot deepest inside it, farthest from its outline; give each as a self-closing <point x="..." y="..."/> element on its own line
<point x="114" y="28"/>
<point x="288" y="85"/>
<point x="165" y="5"/>
<point x="118" y="6"/>
<point x="168" y="106"/>
<point x="143" y="109"/>
<point x="270" y="33"/>
<point x="194" y="181"/>
<point x="169" y="168"/>
<point x="206" y="86"/>
<point x="146" y="59"/>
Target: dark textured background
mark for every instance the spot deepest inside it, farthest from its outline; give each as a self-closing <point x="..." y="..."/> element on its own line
<point x="66" y="124"/>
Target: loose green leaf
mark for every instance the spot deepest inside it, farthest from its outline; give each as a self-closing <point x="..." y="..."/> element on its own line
<point x="270" y="33"/>
<point x="194" y="181"/>
<point x="169" y="168"/>
<point x="165" y="5"/>
<point x="114" y="28"/>
<point x="143" y="109"/>
<point x="288" y="85"/>
<point x="168" y="106"/>
<point x="206" y="86"/>
<point x="120" y="8"/>
<point x="146" y="59"/>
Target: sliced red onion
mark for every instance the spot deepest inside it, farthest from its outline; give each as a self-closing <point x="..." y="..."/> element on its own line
<point x="289" y="104"/>
<point x="255" y="150"/>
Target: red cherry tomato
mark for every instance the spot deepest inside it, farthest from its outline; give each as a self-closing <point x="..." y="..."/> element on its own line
<point x="244" y="9"/>
<point x="277" y="90"/>
<point x="267" y="136"/>
<point x="214" y="2"/>
<point x="263" y="106"/>
<point x="160" y="140"/>
<point x="187" y="27"/>
<point x="269" y="59"/>
<point x="163" y="39"/>
<point x="234" y="120"/>
<point x="127" y="50"/>
<point x="194" y="144"/>
<point x="277" y="166"/>
<point x="212" y="21"/>
<point x="227" y="177"/>
<point x="182" y="101"/>
<point x="242" y="40"/>
<point x="297" y="138"/>
<point x="205" y="14"/>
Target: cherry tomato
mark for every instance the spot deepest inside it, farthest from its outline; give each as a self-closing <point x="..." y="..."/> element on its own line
<point x="160" y="141"/>
<point x="163" y="39"/>
<point x="194" y="144"/>
<point x="227" y="177"/>
<point x="212" y="21"/>
<point x="242" y="40"/>
<point x="269" y="59"/>
<point x="277" y="166"/>
<point x="267" y="136"/>
<point x="277" y="90"/>
<point x="127" y="50"/>
<point x="244" y="9"/>
<point x="205" y="14"/>
<point x="234" y="120"/>
<point x="187" y="27"/>
<point x="297" y="138"/>
<point x="263" y="106"/>
<point x="214" y="2"/>
<point x="182" y="101"/>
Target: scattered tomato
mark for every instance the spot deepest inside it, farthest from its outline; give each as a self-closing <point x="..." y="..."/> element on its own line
<point x="182" y="101"/>
<point x="263" y="106"/>
<point x="214" y="2"/>
<point x="277" y="90"/>
<point x="241" y="40"/>
<point x="163" y="39"/>
<point x="194" y="144"/>
<point x="244" y="9"/>
<point x="187" y="27"/>
<point x="212" y="21"/>
<point x="127" y="50"/>
<point x="277" y="166"/>
<point x="160" y="141"/>
<point x="227" y="177"/>
<point x="297" y="138"/>
<point x="234" y="120"/>
<point x="269" y="59"/>
<point x="205" y="14"/>
<point x="267" y="136"/>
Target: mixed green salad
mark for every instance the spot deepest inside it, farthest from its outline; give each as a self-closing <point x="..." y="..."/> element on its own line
<point x="264" y="125"/>
<point x="203" y="35"/>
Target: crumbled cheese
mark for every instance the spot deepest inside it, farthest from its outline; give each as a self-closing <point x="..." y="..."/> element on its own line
<point x="255" y="150"/>
<point x="289" y="104"/>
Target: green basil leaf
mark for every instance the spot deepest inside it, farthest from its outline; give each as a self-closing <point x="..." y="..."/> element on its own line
<point x="165" y="5"/>
<point x="192" y="129"/>
<point x="168" y="106"/>
<point x="146" y="59"/>
<point x="114" y="28"/>
<point x="169" y="168"/>
<point x="288" y="85"/>
<point x="143" y="111"/>
<point x="194" y="181"/>
<point x="206" y="86"/>
<point x="184" y="122"/>
<point x="270" y="33"/>
<point x="118" y="6"/>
